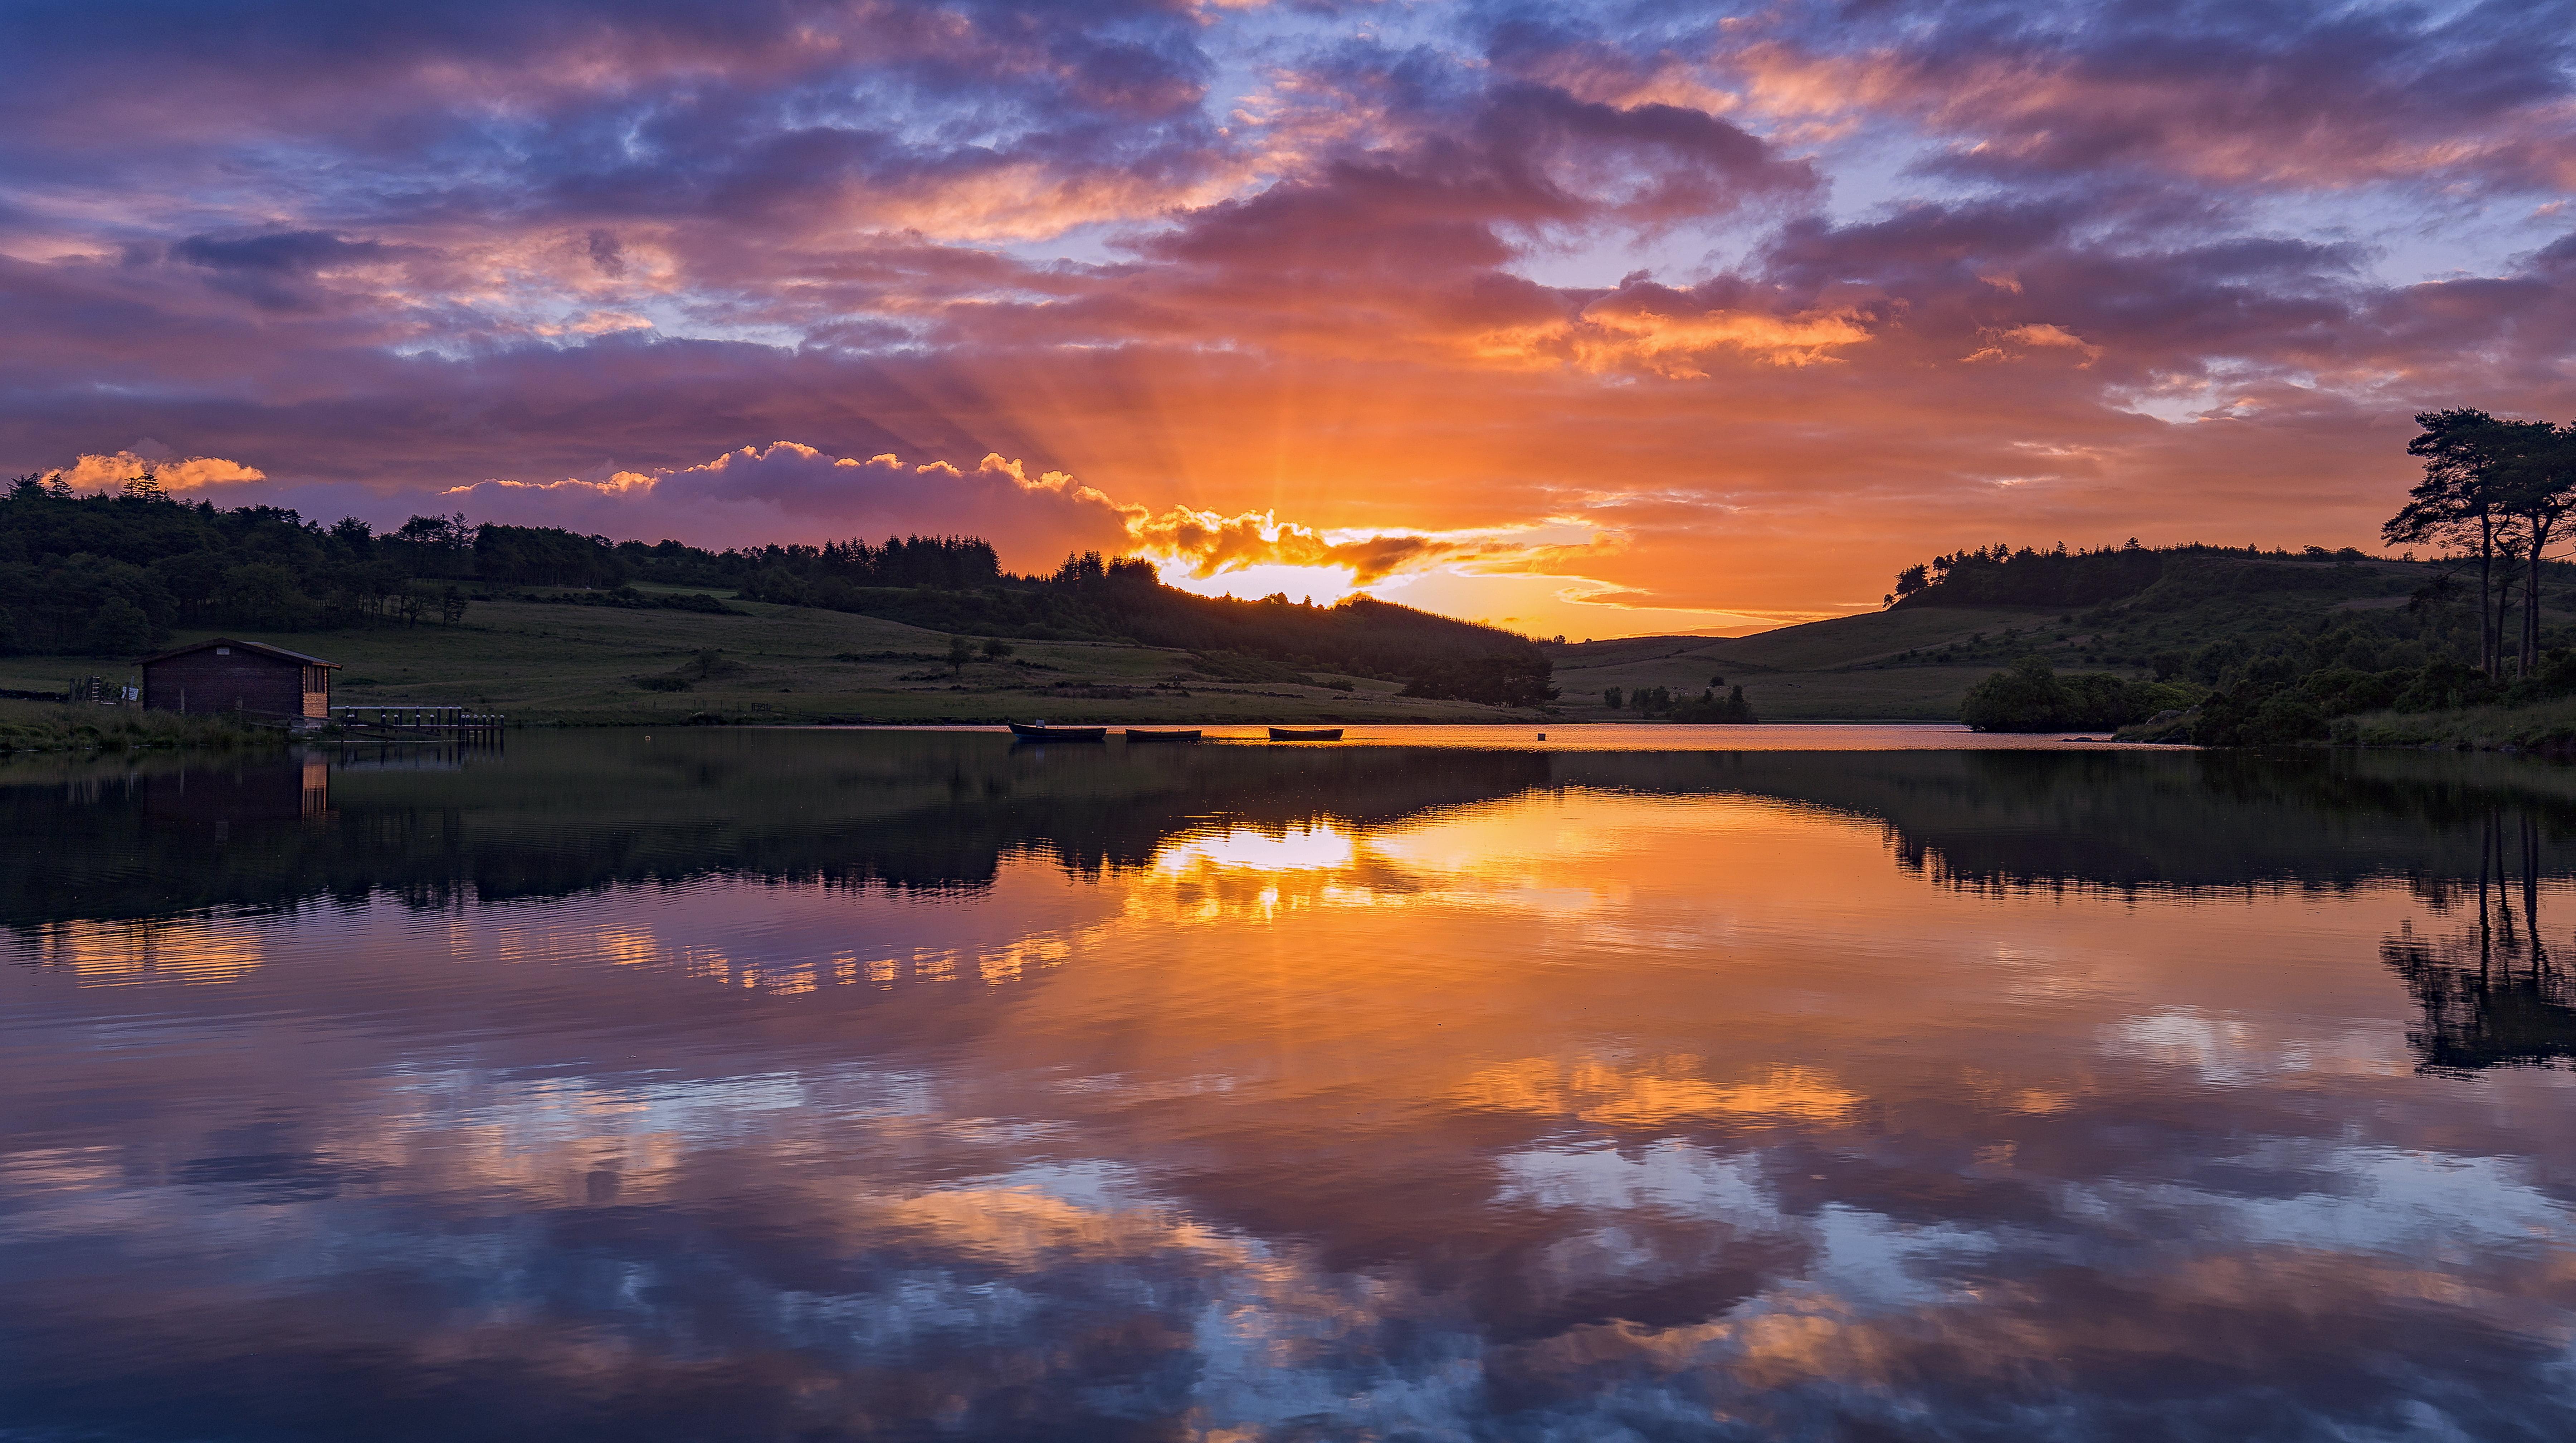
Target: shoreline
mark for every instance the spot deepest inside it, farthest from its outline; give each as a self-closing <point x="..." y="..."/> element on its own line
<point x="31" y="727"/>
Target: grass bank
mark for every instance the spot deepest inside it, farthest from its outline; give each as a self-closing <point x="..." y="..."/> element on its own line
<point x="44" y="726"/>
<point x="1876" y="666"/>
<point x="553" y="664"/>
<point x="2542" y="726"/>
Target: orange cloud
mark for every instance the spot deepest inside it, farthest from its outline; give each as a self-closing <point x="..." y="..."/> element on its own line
<point x="2014" y="342"/>
<point x="1206" y="544"/>
<point x="187" y="473"/>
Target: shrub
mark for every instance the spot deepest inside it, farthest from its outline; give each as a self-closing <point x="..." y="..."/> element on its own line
<point x="1710" y="708"/>
<point x="2032" y="697"/>
<point x="2249" y="717"/>
<point x="119" y="627"/>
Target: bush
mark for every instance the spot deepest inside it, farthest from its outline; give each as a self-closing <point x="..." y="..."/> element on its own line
<point x="2033" y="698"/>
<point x="2248" y="717"/>
<point x="119" y="627"/>
<point x="1731" y="710"/>
<point x="1506" y="680"/>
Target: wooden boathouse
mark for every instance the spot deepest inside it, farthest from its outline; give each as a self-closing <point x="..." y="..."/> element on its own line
<point x="265" y="682"/>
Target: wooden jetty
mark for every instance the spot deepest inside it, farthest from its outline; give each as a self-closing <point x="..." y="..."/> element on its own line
<point x="420" y="724"/>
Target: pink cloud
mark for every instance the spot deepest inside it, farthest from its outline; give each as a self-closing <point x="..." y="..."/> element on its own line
<point x="791" y="492"/>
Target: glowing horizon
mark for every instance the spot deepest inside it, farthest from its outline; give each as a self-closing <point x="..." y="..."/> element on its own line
<point x="1627" y="324"/>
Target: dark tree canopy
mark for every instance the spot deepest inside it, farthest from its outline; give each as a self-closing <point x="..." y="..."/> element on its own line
<point x="119" y="572"/>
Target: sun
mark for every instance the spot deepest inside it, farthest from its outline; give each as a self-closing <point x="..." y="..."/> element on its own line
<point x="1324" y="585"/>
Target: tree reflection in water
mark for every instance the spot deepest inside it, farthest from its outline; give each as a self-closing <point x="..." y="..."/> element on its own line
<point x="827" y="1086"/>
<point x="2491" y="995"/>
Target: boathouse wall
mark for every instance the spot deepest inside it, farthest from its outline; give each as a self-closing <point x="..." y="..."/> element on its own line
<point x="222" y="676"/>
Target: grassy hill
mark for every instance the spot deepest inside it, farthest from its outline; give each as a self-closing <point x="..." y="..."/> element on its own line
<point x="550" y="662"/>
<point x="1915" y="661"/>
<point x="553" y="663"/>
<point x="1845" y="668"/>
<point x="119" y="575"/>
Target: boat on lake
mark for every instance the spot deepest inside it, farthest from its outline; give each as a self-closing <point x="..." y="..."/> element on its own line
<point x="1041" y="732"/>
<point x="1305" y="734"/>
<point x="1139" y="734"/>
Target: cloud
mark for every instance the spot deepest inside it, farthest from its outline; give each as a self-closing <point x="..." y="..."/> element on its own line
<point x="794" y="491"/>
<point x="1772" y="305"/>
<point x="2299" y="95"/>
<point x="183" y="474"/>
<point x="1207" y="544"/>
<point x="790" y="491"/>
<point x="2013" y="342"/>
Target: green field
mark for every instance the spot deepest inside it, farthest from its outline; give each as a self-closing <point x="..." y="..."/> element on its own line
<point x="1917" y="662"/>
<point x="37" y="726"/>
<point x="552" y="664"/>
<point x="1844" y="668"/>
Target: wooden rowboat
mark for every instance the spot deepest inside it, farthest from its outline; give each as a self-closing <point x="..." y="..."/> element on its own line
<point x="1305" y="734"/>
<point x="1041" y="732"/>
<point x="1135" y="734"/>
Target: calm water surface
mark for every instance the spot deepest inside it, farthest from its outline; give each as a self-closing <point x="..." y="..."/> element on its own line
<point x="859" y="1085"/>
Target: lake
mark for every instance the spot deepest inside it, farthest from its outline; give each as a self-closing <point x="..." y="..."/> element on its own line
<point x="1644" y="1083"/>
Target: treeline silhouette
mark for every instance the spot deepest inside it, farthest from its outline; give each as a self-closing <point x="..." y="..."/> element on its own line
<point x="2001" y="576"/>
<point x="1097" y="598"/>
<point x="2495" y="498"/>
<point x="2029" y="577"/>
<point x="117" y="573"/>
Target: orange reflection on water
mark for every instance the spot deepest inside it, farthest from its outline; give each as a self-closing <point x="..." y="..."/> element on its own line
<point x="1662" y="1094"/>
<point x="188" y="950"/>
<point x="1602" y="1088"/>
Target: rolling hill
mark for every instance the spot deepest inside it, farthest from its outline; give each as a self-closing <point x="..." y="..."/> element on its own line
<point x="1915" y="661"/>
<point x="566" y="664"/>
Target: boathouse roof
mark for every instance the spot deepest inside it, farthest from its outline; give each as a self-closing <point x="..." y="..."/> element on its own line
<point x="258" y="647"/>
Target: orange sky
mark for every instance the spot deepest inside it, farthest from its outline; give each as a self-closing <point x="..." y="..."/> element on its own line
<point x="1589" y="325"/>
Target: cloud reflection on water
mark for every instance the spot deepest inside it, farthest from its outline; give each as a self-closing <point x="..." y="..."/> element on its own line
<point x="1644" y="1114"/>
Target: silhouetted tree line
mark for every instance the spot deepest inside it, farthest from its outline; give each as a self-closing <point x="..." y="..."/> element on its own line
<point x="2032" y="697"/>
<point x="1706" y="708"/>
<point x="825" y="575"/>
<point x="2495" y="498"/>
<point x="2497" y="492"/>
<point x="2001" y="576"/>
<point x="116" y="573"/>
<point x="2280" y="687"/>
<point x="1091" y="597"/>
<point x="2495" y="495"/>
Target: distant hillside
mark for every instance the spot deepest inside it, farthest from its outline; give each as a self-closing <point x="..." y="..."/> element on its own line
<point x="1123" y="601"/>
<point x="2203" y="614"/>
<point x="1847" y="668"/>
<point x="2257" y="648"/>
<point x="115" y="575"/>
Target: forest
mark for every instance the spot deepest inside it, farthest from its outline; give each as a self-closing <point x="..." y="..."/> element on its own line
<point x="118" y="573"/>
<point x="2473" y="627"/>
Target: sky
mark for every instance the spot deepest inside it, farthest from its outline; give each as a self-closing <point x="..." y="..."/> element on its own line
<point x="1596" y="320"/>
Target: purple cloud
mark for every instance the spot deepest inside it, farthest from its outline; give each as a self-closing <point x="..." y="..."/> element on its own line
<point x="1699" y="288"/>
